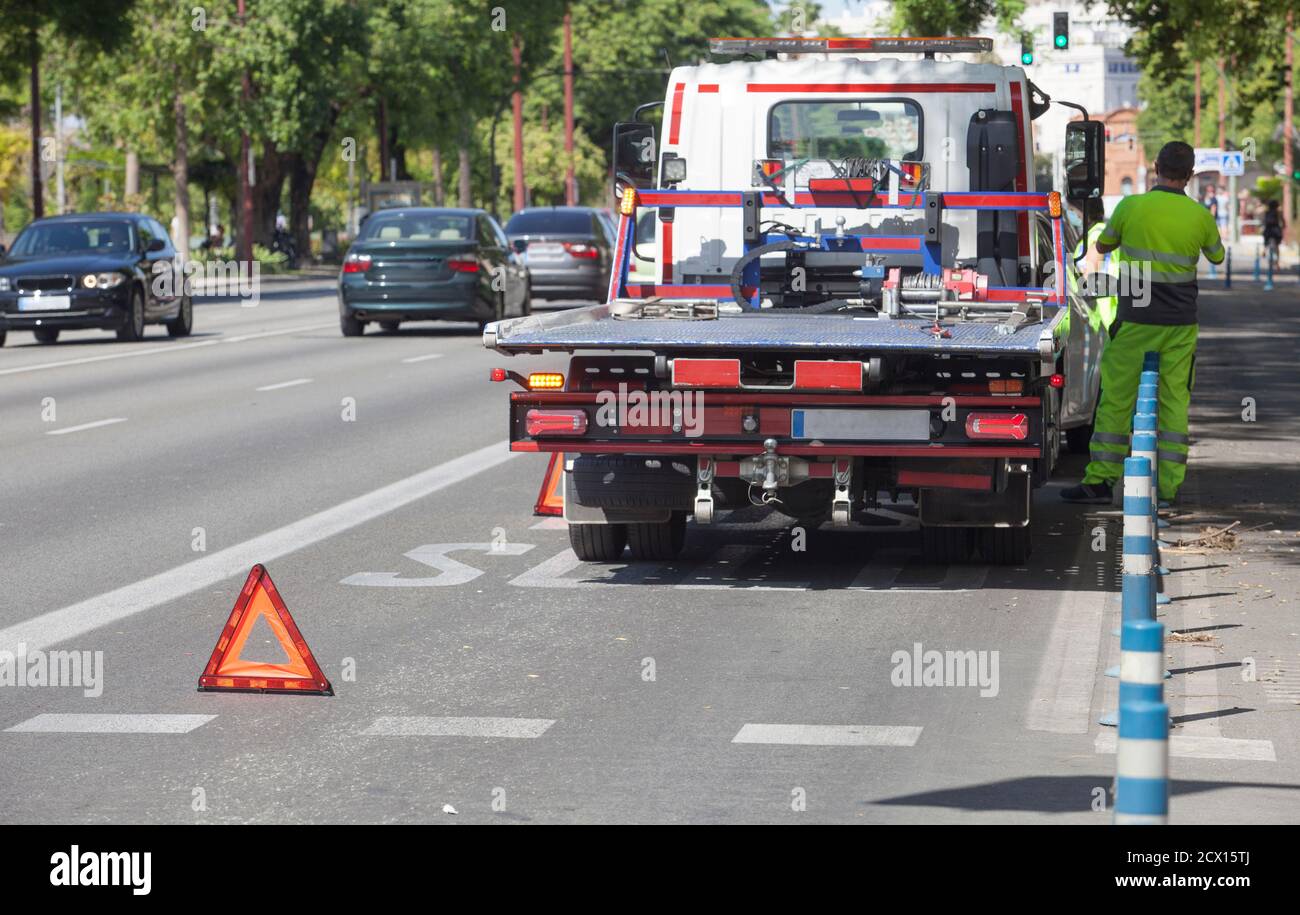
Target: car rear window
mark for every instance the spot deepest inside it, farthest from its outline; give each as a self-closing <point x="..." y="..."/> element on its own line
<point x="550" y="222"/>
<point x="416" y="227"/>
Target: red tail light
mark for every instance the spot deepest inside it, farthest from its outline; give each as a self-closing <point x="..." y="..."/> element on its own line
<point x="1057" y="380"/>
<point x="581" y="250"/>
<point x="356" y="263"/>
<point x="463" y="264"/>
<point x="556" y="422"/>
<point x="997" y="425"/>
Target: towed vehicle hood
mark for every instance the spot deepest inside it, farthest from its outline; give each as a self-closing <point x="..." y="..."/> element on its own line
<point x="65" y="263"/>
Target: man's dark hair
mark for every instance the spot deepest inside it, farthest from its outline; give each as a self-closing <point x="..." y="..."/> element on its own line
<point x="1176" y="161"/>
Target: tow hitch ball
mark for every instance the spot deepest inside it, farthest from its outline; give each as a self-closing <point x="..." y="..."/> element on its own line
<point x="770" y="460"/>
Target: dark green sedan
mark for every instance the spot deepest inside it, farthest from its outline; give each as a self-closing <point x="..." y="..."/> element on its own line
<point x="427" y="264"/>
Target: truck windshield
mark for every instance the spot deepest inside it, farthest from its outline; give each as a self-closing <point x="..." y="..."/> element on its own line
<point x="840" y="129"/>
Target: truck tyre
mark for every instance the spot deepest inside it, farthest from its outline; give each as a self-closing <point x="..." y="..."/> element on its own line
<point x="659" y="540"/>
<point x="1006" y="546"/>
<point x="947" y="545"/>
<point x="598" y="542"/>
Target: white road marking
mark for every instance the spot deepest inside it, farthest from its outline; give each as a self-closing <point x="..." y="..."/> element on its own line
<point x="95" y="425"/>
<point x="434" y="555"/>
<point x="111" y="724"/>
<point x="1192" y="746"/>
<point x="88" y="615"/>
<point x="830" y="735"/>
<point x="1067" y="675"/>
<point x="551" y="573"/>
<point x="284" y="384"/>
<point x="550" y="524"/>
<point x="722" y="570"/>
<point x="132" y="353"/>
<point x="424" y="358"/>
<point x="422" y="726"/>
<point x="882" y="571"/>
<point x="1200" y="688"/>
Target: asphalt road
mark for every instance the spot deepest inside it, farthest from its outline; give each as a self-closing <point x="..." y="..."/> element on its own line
<point x="748" y="681"/>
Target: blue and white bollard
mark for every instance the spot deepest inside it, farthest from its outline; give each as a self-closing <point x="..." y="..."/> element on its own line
<point x="1142" y="765"/>
<point x="1256" y="265"/>
<point x="1138" y="591"/>
<point x="1142" y="662"/>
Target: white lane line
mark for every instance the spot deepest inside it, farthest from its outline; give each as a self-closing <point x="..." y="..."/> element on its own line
<point x="111" y="724"/>
<point x="550" y="524"/>
<point x="1192" y="746"/>
<point x="1062" y="699"/>
<point x="95" y="425"/>
<point x="830" y="735"/>
<point x="284" y="384"/>
<point x="422" y="726"/>
<point x="170" y="348"/>
<point x="425" y="358"/>
<point x="88" y="615"/>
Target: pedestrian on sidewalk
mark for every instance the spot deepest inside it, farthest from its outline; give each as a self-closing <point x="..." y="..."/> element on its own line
<point x="1158" y="238"/>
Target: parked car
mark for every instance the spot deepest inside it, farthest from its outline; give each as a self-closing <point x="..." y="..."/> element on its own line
<point x="98" y="270"/>
<point x="568" y="251"/>
<point x="427" y="264"/>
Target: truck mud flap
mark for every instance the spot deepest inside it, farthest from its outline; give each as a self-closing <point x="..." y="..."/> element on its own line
<point x="972" y="508"/>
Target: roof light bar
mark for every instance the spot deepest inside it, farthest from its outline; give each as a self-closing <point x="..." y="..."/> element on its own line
<point x="850" y="45"/>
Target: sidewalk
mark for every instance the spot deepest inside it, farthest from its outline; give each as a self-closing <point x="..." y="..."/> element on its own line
<point x="1233" y="626"/>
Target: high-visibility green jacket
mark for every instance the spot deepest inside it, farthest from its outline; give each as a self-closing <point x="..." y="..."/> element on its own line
<point x="1104" y="306"/>
<point x="1164" y="232"/>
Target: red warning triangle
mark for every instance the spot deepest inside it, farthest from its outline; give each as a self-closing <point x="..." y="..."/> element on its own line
<point x="550" y="501"/>
<point x="227" y="670"/>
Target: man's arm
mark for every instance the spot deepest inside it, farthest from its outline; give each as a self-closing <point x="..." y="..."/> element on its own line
<point x="1110" y="236"/>
<point x="1212" y="244"/>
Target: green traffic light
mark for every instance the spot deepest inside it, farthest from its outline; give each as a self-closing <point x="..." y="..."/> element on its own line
<point x="1062" y="41"/>
<point x="1026" y="58"/>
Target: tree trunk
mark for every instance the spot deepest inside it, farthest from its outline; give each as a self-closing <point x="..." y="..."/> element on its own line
<point x="302" y="178"/>
<point x="466" y="187"/>
<point x="38" y="199"/>
<point x="439" y="191"/>
<point x="132" y="187"/>
<point x="381" y="128"/>
<point x="269" y="173"/>
<point x="181" y="178"/>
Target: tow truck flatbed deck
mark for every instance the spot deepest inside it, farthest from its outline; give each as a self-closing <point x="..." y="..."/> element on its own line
<point x="597" y="327"/>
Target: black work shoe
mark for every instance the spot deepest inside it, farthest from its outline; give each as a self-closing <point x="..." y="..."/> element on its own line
<point x="1088" y="494"/>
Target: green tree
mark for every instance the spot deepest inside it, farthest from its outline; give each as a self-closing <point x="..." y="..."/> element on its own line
<point x="954" y="17"/>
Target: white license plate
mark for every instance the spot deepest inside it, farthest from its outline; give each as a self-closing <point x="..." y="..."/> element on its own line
<point x="861" y="425"/>
<point x="44" y="302"/>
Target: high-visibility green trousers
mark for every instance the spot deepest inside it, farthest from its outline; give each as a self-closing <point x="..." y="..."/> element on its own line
<point x="1121" y="372"/>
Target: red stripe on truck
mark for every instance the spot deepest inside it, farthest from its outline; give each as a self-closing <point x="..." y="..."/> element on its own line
<point x="870" y="87"/>
<point x="1022" y="220"/>
<point x="675" y="121"/>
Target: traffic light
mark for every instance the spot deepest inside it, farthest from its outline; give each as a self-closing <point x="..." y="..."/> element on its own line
<point x="1061" y="31"/>
<point x="1295" y="175"/>
<point x="1026" y="50"/>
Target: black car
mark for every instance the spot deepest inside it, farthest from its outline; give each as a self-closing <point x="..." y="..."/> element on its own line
<point x="426" y="264"/>
<point x="101" y="270"/>
<point x="568" y="251"/>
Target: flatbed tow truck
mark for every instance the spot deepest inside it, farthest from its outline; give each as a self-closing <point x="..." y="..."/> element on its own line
<point x="878" y="303"/>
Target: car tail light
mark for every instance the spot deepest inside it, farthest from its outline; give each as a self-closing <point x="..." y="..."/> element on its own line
<point x="1006" y="386"/>
<point x="997" y="425"/>
<point x="545" y="381"/>
<point x="556" y="422"/>
<point x="1057" y="380"/>
<point x="356" y="263"/>
<point x="581" y="250"/>
<point x="463" y="263"/>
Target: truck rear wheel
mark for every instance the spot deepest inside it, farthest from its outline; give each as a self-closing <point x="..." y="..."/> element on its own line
<point x="1006" y="546"/>
<point x="947" y="545"/>
<point x="598" y="542"/>
<point x="659" y="540"/>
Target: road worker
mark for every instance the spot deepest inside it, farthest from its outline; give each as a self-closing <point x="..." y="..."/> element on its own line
<point x="1157" y="238"/>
